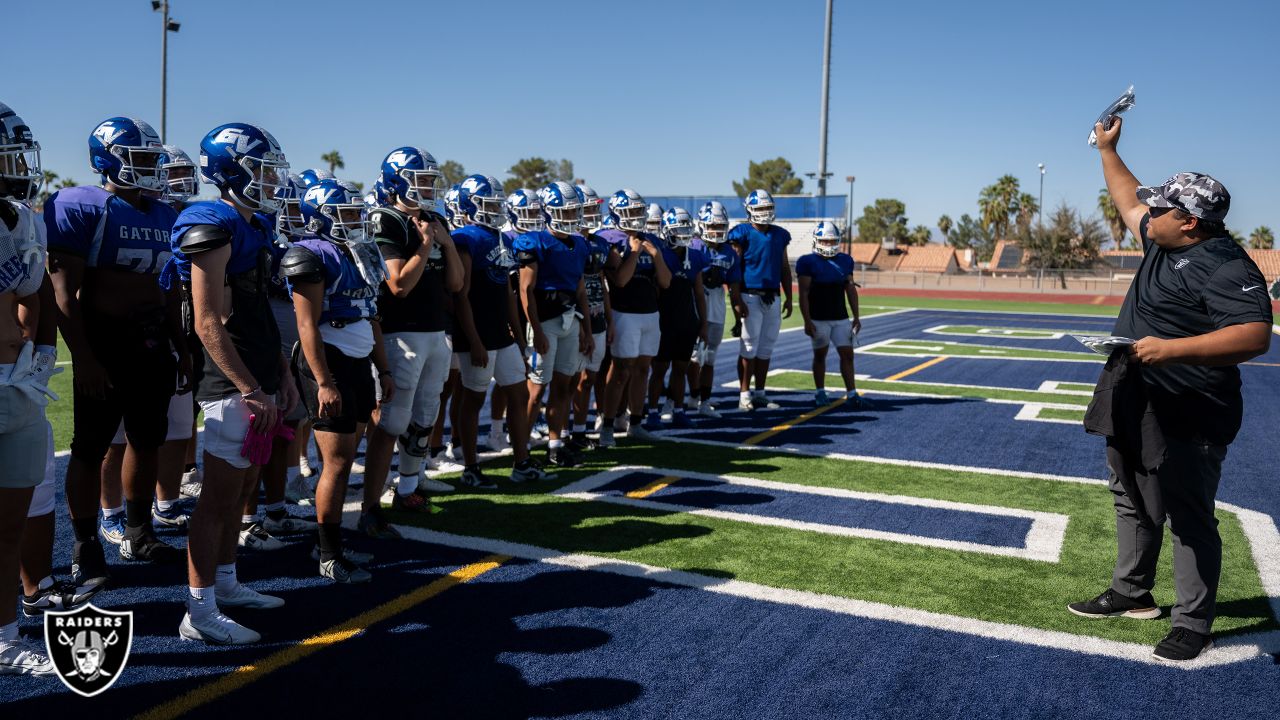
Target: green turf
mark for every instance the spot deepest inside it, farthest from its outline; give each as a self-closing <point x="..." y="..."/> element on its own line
<point x="1007" y="332"/>
<point x="804" y="381"/>
<point x="1061" y="414"/>
<point x="1008" y="590"/>
<point x="898" y="302"/>
<point x="933" y="348"/>
<point x="1075" y="387"/>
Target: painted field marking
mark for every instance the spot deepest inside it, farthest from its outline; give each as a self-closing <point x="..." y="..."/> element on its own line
<point x="247" y="674"/>
<point x="916" y="369"/>
<point x="902" y="347"/>
<point x="1061" y="387"/>
<point x="1031" y="412"/>
<point x="979" y="331"/>
<point x="762" y="436"/>
<point x="1228" y="650"/>
<point x="1043" y="541"/>
<point x="650" y="488"/>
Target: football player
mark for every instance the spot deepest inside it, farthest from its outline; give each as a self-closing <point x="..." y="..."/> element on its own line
<point x="723" y="271"/>
<point x="826" y="282"/>
<point x="601" y="256"/>
<point x="763" y="249"/>
<point x="682" y="316"/>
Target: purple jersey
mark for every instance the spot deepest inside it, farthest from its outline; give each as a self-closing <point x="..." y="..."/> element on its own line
<point x="108" y="232"/>
<point x="346" y="295"/>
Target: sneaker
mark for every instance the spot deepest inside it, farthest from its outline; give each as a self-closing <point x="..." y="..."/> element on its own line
<point x="668" y="410"/>
<point x="451" y="452"/>
<point x="622" y="423"/>
<point x="60" y="596"/>
<point x="298" y="491"/>
<point x="1113" y="604"/>
<point x="256" y="537"/>
<point x="89" y="565"/>
<point x="174" y="517"/>
<point x="192" y="482"/>
<point x="858" y="402"/>
<point x="706" y="409"/>
<point x="373" y="524"/>
<point x="745" y="404"/>
<point x="435" y="487"/>
<point x="820" y="397"/>
<point x="246" y="597"/>
<point x="342" y="570"/>
<point x="639" y="432"/>
<point x="1181" y="645"/>
<point x="761" y="402"/>
<point x="475" y="479"/>
<point x="681" y="420"/>
<point x="653" y="421"/>
<point x="412" y="503"/>
<point x="580" y="443"/>
<point x="216" y="629"/>
<point x="354" y="556"/>
<point x="23" y="657"/>
<point x="288" y="525"/>
<point x="563" y="457"/>
<point x="606" y="437"/>
<point x="529" y="470"/>
<point x="497" y="441"/>
<point x="143" y="545"/>
<point x="112" y="528"/>
<point x="304" y="467"/>
<point x="540" y="427"/>
<point x="441" y="463"/>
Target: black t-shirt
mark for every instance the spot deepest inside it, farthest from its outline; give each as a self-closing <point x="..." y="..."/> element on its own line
<point x="490" y="290"/>
<point x="640" y="294"/>
<point x="1183" y="293"/>
<point x="427" y="308"/>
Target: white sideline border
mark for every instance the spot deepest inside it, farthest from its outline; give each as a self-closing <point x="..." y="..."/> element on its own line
<point x="997" y="333"/>
<point x="923" y="350"/>
<point x="1043" y="542"/>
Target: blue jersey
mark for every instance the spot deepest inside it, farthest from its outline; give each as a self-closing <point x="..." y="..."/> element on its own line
<point x="248" y="238"/>
<point x="491" y="255"/>
<point x="107" y="231"/>
<point x="828" y="279"/>
<point x="560" y="262"/>
<point x="346" y="295"/>
<point x="724" y="267"/>
<point x="762" y="254"/>
<point x="491" y="264"/>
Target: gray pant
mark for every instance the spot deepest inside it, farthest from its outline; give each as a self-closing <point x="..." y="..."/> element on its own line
<point x="1179" y="492"/>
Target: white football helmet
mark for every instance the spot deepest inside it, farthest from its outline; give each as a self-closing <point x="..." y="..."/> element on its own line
<point x="760" y="208"/>
<point x="826" y="239"/>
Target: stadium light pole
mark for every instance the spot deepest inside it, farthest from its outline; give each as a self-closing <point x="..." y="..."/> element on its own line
<point x="826" y="94"/>
<point x="166" y="26"/>
<point x="1040" y="221"/>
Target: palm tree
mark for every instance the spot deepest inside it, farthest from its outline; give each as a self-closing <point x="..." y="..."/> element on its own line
<point x="1262" y="238"/>
<point x="944" y="226"/>
<point x="997" y="203"/>
<point x="334" y="159"/>
<point x="1027" y="209"/>
<point x="1111" y="215"/>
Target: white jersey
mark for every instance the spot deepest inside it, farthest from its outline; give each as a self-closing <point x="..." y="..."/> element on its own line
<point x="22" y="252"/>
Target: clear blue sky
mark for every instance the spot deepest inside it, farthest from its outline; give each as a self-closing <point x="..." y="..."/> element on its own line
<point x="930" y="101"/>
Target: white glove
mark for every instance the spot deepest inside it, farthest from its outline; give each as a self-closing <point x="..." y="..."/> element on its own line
<point x="46" y="364"/>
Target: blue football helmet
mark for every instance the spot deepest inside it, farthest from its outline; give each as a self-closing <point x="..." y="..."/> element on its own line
<point x="759" y="204"/>
<point x="376" y="197"/>
<point x="451" y="210"/>
<point x="19" y="158"/>
<point x="609" y="223"/>
<point x="524" y="211"/>
<point x="289" y="221"/>
<point x="247" y="162"/>
<point x="561" y="209"/>
<point x="653" y="219"/>
<point x="677" y="227"/>
<point x="627" y="210"/>
<point x="480" y="200"/>
<point x="127" y="153"/>
<point x="713" y="222"/>
<point x="411" y="174"/>
<point x="333" y="210"/>
<point x="180" y="175"/>
<point x="592" y="217"/>
<point x="311" y="176"/>
<point x="826" y="239"/>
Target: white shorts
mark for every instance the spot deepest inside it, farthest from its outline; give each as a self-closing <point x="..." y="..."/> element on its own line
<point x="562" y="354"/>
<point x="226" y="422"/>
<point x="419" y="364"/>
<point x="506" y="366"/>
<point x="597" y="353"/>
<point x="182" y="415"/>
<point x="42" y="498"/>
<point x="635" y="335"/>
<point x="716" y="308"/>
<point x="832" y="332"/>
<point x="760" y="327"/>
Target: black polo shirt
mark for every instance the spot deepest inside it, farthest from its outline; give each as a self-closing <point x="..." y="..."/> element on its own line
<point x="428" y="306"/>
<point x="1186" y="292"/>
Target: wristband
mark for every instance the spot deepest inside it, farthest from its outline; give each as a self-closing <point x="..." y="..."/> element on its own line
<point x="251" y="393"/>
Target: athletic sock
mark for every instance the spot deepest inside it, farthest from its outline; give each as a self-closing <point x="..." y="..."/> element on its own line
<point x="85" y="529"/>
<point x="112" y="512"/>
<point x="553" y="444"/>
<point x="245" y="521"/>
<point x="165" y="505"/>
<point x="637" y="419"/>
<point x="745" y="396"/>
<point x="201" y="602"/>
<point x="407" y="484"/>
<point x="580" y="429"/>
<point x="137" y="512"/>
<point x="225" y="579"/>
<point x="275" y="511"/>
<point x="330" y="535"/>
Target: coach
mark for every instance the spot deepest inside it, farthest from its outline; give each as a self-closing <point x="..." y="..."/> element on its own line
<point x="1198" y="307"/>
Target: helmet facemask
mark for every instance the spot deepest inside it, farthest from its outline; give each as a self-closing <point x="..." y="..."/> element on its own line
<point x="566" y="219"/>
<point x="420" y="187"/>
<point x="268" y="180"/>
<point x="20" y="170"/>
<point x="140" y="167"/>
<point x="761" y="214"/>
<point x="490" y="212"/>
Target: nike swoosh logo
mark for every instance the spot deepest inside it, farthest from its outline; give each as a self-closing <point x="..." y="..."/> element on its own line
<point x="1251" y="287"/>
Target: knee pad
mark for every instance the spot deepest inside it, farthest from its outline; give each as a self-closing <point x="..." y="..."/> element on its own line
<point x="413" y="448"/>
<point x="707" y="358"/>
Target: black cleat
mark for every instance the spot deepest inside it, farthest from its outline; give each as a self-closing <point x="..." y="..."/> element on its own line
<point x="1181" y="645"/>
<point x="563" y="457"/>
<point x="60" y="596"/>
<point x="89" y="565"/>
<point x="141" y="544"/>
<point x="1113" y="604"/>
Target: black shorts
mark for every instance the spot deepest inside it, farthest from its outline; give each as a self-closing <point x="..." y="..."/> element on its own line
<point x="138" y="358"/>
<point x="676" y="343"/>
<point x="354" y="377"/>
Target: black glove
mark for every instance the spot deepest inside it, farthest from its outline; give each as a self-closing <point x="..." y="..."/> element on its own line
<point x="736" y="330"/>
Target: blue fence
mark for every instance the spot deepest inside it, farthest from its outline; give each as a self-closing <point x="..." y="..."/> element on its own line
<point x="789" y="207"/>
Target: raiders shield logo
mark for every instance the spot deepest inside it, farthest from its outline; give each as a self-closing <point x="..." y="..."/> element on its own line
<point x="88" y="646"/>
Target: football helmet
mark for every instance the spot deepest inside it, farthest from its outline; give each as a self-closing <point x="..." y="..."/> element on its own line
<point x="653" y="219"/>
<point x="311" y="176"/>
<point x="677" y="227"/>
<point x="19" y="157"/>
<point x="377" y="197"/>
<point x="451" y="211"/>
<point x="480" y="200"/>
<point x="524" y="211"/>
<point x="247" y="162"/>
<point x="289" y="221"/>
<point x="759" y="205"/>
<point x="411" y="174"/>
<point x="180" y="175"/>
<point x="713" y="222"/>
<point x="333" y="210"/>
<point x="826" y="239"/>
<point x="627" y="210"/>
<point x="592" y="218"/>
<point x="561" y="209"/>
<point x="127" y="153"/>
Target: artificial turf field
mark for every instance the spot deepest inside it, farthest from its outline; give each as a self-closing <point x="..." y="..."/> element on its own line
<point x="910" y="560"/>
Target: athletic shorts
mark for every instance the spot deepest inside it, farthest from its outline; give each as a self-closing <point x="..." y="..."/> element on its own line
<point x="562" y="354"/>
<point x="506" y="366"/>
<point x="760" y="327"/>
<point x="24" y="438"/>
<point x="832" y="332"/>
<point x="355" y="387"/>
<point x="42" y="500"/>
<point x="634" y="335"/>
<point x="419" y="364"/>
<point x="597" y="353"/>
<point x="676" y="343"/>
<point x="226" y="422"/>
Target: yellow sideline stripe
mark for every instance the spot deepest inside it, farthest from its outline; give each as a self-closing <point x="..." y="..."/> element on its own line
<point x="761" y="437"/>
<point x="651" y="488"/>
<point x="917" y="368"/>
<point x="246" y="674"/>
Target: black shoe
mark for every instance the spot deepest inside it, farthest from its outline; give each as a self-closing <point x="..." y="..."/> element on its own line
<point x="580" y="443"/>
<point x="61" y="596"/>
<point x="1113" y="604"/>
<point x="1181" y="645"/>
<point x="89" y="565"/>
<point x="563" y="457"/>
<point x="141" y="544"/>
<point x="473" y="478"/>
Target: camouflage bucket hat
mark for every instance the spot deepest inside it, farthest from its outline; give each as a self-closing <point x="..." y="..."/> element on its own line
<point x="1193" y="193"/>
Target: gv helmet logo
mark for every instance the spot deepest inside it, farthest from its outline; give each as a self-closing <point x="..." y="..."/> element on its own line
<point x="398" y="159"/>
<point x="107" y="133"/>
<point x="236" y="138"/>
<point x="89" y="647"/>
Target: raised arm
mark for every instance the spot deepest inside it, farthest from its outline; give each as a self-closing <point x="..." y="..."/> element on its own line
<point x="1121" y="183"/>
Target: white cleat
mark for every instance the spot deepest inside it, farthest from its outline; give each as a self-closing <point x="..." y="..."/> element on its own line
<point x="256" y="537"/>
<point x="287" y="525"/>
<point x="21" y="657"/>
<point x="216" y="629"/>
<point x="708" y="410"/>
<point x="668" y="411"/>
<point x="245" y="597"/>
